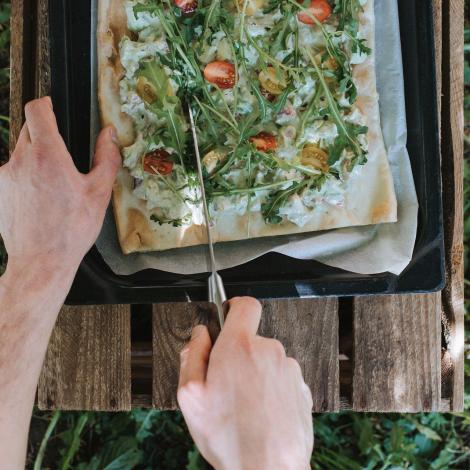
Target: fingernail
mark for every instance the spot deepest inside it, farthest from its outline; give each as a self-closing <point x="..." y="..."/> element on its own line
<point x="197" y="331"/>
<point x="114" y="136"/>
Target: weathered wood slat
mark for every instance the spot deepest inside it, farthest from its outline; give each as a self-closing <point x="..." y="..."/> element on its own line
<point x="307" y="328"/>
<point x="171" y="327"/>
<point x="17" y="66"/>
<point x="452" y="168"/>
<point x="87" y="365"/>
<point x="397" y="351"/>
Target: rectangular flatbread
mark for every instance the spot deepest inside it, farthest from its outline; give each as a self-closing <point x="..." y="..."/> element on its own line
<point x="287" y="115"/>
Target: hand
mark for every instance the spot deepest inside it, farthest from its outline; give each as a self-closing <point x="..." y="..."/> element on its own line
<point x="49" y="212"/>
<point x="245" y="402"/>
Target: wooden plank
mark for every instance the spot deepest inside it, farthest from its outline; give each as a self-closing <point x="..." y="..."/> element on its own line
<point x="18" y="57"/>
<point x="452" y="169"/>
<point x="397" y="353"/>
<point x="43" y="71"/>
<point x="171" y="328"/>
<point x="307" y="328"/>
<point x="87" y="366"/>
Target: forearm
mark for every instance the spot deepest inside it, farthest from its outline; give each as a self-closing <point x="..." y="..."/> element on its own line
<point x="31" y="295"/>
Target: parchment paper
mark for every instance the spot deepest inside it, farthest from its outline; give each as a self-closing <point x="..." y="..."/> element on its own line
<point x="365" y="250"/>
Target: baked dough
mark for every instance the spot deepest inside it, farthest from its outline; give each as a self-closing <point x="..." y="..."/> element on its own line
<point x="369" y="199"/>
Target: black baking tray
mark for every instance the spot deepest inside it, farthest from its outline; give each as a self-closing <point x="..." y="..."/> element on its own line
<point x="272" y="275"/>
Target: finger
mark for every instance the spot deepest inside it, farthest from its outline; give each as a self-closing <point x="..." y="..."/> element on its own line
<point x="273" y="347"/>
<point x="195" y="357"/>
<point x="294" y="366"/>
<point x="41" y="121"/>
<point x="243" y="317"/>
<point x="24" y="140"/>
<point x="307" y="393"/>
<point x="107" y="159"/>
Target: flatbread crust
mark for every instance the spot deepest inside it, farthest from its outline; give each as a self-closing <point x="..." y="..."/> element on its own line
<point x="369" y="196"/>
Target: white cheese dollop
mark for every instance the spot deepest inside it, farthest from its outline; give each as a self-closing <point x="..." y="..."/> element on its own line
<point x="142" y="20"/>
<point x="358" y="58"/>
<point x="295" y="211"/>
<point x="331" y="192"/>
<point x="320" y="132"/>
<point x="134" y="152"/>
<point x="133" y="52"/>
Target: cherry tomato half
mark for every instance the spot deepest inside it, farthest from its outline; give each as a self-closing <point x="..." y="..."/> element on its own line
<point x="186" y="6"/>
<point x="264" y="141"/>
<point x="320" y="9"/>
<point x="158" y="162"/>
<point x="220" y="73"/>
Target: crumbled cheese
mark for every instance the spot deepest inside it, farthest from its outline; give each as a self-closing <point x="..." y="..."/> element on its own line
<point x="295" y="211"/>
<point x="134" y="152"/>
<point x="331" y="192"/>
<point x="133" y="52"/>
<point x="251" y="56"/>
<point x="321" y="132"/>
<point x="358" y="58"/>
<point x="142" y="20"/>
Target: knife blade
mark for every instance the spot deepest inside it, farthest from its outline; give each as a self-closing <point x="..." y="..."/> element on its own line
<point x="216" y="289"/>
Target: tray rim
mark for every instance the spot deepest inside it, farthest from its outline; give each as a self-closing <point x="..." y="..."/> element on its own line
<point x="196" y="290"/>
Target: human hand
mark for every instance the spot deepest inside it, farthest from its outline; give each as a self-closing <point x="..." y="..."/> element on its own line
<point x="245" y="403"/>
<point x="49" y="212"/>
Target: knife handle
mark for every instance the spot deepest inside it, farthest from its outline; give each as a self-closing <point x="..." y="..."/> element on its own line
<point x="217" y="296"/>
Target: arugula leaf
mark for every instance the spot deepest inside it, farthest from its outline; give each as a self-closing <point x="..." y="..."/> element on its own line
<point x="156" y="76"/>
<point x="270" y="208"/>
<point x="160" y="220"/>
<point x="213" y="15"/>
<point x="335" y="151"/>
<point x="348" y="11"/>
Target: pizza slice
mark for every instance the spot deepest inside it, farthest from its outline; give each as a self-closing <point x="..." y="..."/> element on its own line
<point x="284" y="95"/>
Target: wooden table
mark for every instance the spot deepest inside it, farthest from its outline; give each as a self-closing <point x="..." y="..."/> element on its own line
<point x="392" y="353"/>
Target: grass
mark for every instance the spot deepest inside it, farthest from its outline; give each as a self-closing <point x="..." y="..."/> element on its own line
<point x="144" y="439"/>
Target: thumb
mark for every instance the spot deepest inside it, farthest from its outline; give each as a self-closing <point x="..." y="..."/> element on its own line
<point x="107" y="160"/>
<point x="195" y="357"/>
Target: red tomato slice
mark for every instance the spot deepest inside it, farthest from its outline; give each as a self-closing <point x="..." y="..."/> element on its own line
<point x="158" y="162"/>
<point x="320" y="9"/>
<point x="220" y="73"/>
<point x="186" y="6"/>
<point x="264" y="141"/>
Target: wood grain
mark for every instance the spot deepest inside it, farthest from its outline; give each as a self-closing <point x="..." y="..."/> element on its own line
<point x="397" y="352"/>
<point x="452" y="169"/>
<point x="87" y="365"/>
<point x="19" y="29"/>
<point x="308" y="329"/>
<point x="43" y="69"/>
<point x="171" y="327"/>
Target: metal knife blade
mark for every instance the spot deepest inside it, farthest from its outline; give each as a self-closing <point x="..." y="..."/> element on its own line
<point x="216" y="290"/>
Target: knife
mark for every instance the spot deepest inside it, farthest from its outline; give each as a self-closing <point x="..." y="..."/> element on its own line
<point x="216" y="289"/>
